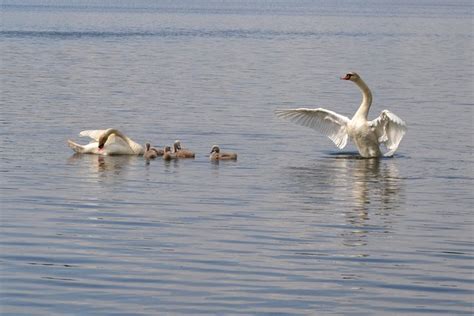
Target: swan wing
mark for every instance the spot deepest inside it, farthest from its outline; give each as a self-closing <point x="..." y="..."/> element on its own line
<point x="329" y="123"/>
<point x="90" y="148"/>
<point x="390" y="130"/>
<point x="117" y="142"/>
<point x="114" y="145"/>
<point x="121" y="143"/>
<point x="93" y="133"/>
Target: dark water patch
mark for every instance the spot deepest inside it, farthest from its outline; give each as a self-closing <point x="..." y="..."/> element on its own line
<point x="259" y="8"/>
<point x="424" y="310"/>
<point x="238" y="33"/>
<point x="431" y="289"/>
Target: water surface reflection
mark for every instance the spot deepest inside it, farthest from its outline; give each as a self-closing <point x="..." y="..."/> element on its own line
<point x="367" y="192"/>
<point x="102" y="166"/>
<point x="373" y="180"/>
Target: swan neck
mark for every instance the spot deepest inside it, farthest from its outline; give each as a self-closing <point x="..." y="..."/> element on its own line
<point x="136" y="148"/>
<point x="116" y="132"/>
<point x="366" y="99"/>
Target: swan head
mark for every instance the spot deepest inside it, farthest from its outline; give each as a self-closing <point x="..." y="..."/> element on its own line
<point x="167" y="149"/>
<point x="352" y="76"/>
<point x="215" y="149"/>
<point x="147" y="146"/>
<point x="102" y="141"/>
<point x="177" y="145"/>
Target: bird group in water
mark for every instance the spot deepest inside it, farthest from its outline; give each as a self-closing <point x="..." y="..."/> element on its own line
<point x="387" y="129"/>
<point x="113" y="142"/>
<point x="166" y="153"/>
<point x="177" y="152"/>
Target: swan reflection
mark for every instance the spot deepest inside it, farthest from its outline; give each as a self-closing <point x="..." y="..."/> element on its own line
<point x="103" y="165"/>
<point x="374" y="180"/>
<point x="375" y="192"/>
<point x="367" y="191"/>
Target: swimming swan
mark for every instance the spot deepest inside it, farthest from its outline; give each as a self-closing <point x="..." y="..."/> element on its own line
<point x="180" y="152"/>
<point x="168" y="155"/>
<point x="387" y="129"/>
<point x="217" y="155"/>
<point x="158" y="151"/>
<point x="150" y="153"/>
<point x="107" y="142"/>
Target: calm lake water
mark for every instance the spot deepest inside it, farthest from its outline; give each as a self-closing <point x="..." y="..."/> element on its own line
<point x="294" y="227"/>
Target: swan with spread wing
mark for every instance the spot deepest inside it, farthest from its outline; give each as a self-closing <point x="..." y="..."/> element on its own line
<point x="387" y="129"/>
<point x="107" y="142"/>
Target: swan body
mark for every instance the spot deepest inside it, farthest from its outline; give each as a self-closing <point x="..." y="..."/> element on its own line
<point x="217" y="155"/>
<point x="182" y="153"/>
<point x="387" y="129"/>
<point x="107" y="142"/>
<point x="158" y="151"/>
<point x="150" y="153"/>
<point x="167" y="154"/>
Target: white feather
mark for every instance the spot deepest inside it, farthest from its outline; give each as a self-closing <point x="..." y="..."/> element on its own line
<point x="116" y="143"/>
<point x="329" y="123"/>
<point x="92" y="133"/>
<point x="390" y="130"/>
<point x="387" y="129"/>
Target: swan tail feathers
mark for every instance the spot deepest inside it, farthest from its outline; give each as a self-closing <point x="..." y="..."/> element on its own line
<point x="390" y="153"/>
<point x="76" y="147"/>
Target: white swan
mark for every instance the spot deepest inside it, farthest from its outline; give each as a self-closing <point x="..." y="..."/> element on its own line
<point x="387" y="129"/>
<point x="107" y="142"/>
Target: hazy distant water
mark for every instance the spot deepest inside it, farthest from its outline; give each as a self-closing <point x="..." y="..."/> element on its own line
<point x="292" y="227"/>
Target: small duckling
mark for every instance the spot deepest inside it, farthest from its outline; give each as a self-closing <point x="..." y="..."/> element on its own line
<point x="150" y="153"/>
<point x="180" y="152"/>
<point x="217" y="155"/>
<point x="167" y="154"/>
<point x="158" y="151"/>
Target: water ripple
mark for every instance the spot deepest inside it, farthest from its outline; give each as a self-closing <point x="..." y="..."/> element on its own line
<point x="238" y="33"/>
<point x="294" y="226"/>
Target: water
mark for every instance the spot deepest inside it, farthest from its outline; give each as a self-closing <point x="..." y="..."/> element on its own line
<point x="294" y="226"/>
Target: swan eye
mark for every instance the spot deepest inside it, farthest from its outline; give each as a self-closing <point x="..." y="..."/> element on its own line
<point x="347" y="77"/>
